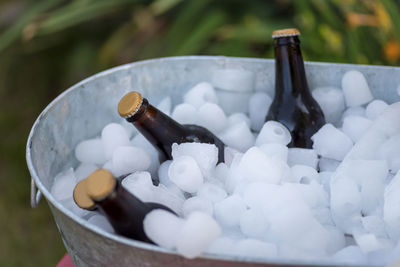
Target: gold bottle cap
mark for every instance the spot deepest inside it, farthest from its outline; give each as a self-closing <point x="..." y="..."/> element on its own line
<point x="130" y="104"/>
<point x="81" y="197"/>
<point x="285" y="33"/>
<point x="100" y="184"/>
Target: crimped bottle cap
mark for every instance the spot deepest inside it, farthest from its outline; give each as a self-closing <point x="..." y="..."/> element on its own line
<point x="130" y="104"/>
<point x="100" y="184"/>
<point x="81" y="197"/>
<point x="285" y="33"/>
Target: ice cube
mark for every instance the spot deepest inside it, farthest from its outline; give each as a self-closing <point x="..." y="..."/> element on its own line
<point x="221" y="172"/>
<point x="163" y="173"/>
<point x="165" y="105"/>
<point x="163" y="227"/>
<point x="196" y="234"/>
<point x="129" y="128"/>
<point x="197" y="204"/>
<point x="354" y="111"/>
<point x="200" y="94"/>
<point x="63" y="185"/>
<point x="238" y="117"/>
<point x="375" y="108"/>
<point x="84" y="170"/>
<point x="101" y="222"/>
<point x="185" y="114"/>
<point x="331" y="143"/>
<point x="185" y="173"/>
<point x="229" y="155"/>
<point x="391" y="208"/>
<point x="331" y="101"/>
<point x="336" y="240"/>
<point x="273" y="132"/>
<point x="256" y="166"/>
<point x="390" y="151"/>
<point x="259" y="104"/>
<point x="257" y="193"/>
<point x="229" y="211"/>
<point x="164" y="196"/>
<point x="355" y="89"/>
<point x="328" y="165"/>
<point x="375" y="225"/>
<point x="211" y="117"/>
<point x="355" y="126"/>
<point x="303" y="156"/>
<point x="127" y="159"/>
<point x="90" y="151"/>
<point x="238" y="136"/>
<point x="253" y="224"/>
<point x="140" y="141"/>
<point x="222" y="246"/>
<point x="212" y="192"/>
<point x="275" y="150"/>
<point x="255" y="249"/>
<point x="237" y="80"/>
<point x="205" y="155"/>
<point x="368" y="242"/>
<point x="139" y="184"/>
<point x="113" y="136"/>
<point x="303" y="174"/>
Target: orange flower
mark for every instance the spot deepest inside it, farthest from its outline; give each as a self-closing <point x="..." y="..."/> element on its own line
<point x="392" y="50"/>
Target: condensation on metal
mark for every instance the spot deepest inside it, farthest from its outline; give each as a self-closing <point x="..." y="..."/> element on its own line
<point x="69" y="119"/>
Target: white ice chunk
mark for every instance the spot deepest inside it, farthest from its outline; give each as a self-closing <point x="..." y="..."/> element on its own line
<point x="229" y="211"/>
<point x="303" y="174"/>
<point x="212" y="192"/>
<point x="163" y="173"/>
<point x="127" y="159"/>
<point x="238" y="136"/>
<point x="368" y="242"/>
<point x="222" y="246"/>
<point x="84" y="170"/>
<point x="302" y="156"/>
<point x="354" y="111"/>
<point x="139" y="184"/>
<point x="185" y="114"/>
<point x="336" y="239"/>
<point x="325" y="179"/>
<point x="256" y="249"/>
<point x="273" y="132"/>
<point x="163" y="227"/>
<point x="259" y="104"/>
<point x="113" y="136"/>
<point x="375" y="108"/>
<point x="355" y="126"/>
<point x="221" y="172"/>
<point x="256" y="166"/>
<point x="331" y="101"/>
<point x="64" y="184"/>
<point x="328" y="165"/>
<point x="229" y="155"/>
<point x="165" y="105"/>
<point x="390" y="151"/>
<point x="257" y="193"/>
<point x="185" y="173"/>
<point x="238" y="117"/>
<point x="375" y="225"/>
<point x="140" y="141"/>
<point x="164" y="195"/>
<point x="391" y="208"/>
<point x="200" y="94"/>
<point x="205" y="155"/>
<point x="197" y="204"/>
<point x="253" y="224"/>
<point x="101" y="222"/>
<point x="129" y="128"/>
<point x="197" y="233"/>
<point x="236" y="80"/>
<point x="331" y="143"/>
<point x="211" y="117"/>
<point x="345" y="204"/>
<point x="276" y="150"/>
<point x="350" y="255"/>
<point x="355" y="88"/>
<point x="90" y="151"/>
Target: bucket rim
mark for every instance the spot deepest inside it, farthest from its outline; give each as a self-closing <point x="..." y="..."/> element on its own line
<point x="130" y="242"/>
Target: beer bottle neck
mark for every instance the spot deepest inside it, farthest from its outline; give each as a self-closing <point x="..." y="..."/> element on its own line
<point x="290" y="77"/>
<point x="157" y="127"/>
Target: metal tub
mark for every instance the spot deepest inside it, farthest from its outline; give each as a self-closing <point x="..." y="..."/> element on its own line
<point x="84" y="109"/>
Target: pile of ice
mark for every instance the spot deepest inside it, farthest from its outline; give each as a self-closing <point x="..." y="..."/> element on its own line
<point x="338" y="202"/>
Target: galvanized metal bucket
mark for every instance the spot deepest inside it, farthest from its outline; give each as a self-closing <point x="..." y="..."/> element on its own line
<point x="84" y="109"/>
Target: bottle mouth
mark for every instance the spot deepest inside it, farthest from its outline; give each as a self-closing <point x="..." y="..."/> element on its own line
<point x="285" y="33"/>
<point x="130" y="104"/>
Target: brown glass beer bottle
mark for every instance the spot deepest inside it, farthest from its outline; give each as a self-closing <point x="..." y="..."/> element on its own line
<point x="161" y="130"/>
<point x="124" y="211"/>
<point x="293" y="104"/>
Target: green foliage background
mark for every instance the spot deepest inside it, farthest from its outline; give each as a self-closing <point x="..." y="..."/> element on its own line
<point x="48" y="45"/>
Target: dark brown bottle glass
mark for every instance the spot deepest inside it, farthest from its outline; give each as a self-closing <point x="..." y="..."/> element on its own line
<point x="124" y="211"/>
<point x="161" y="130"/>
<point x="293" y="104"/>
